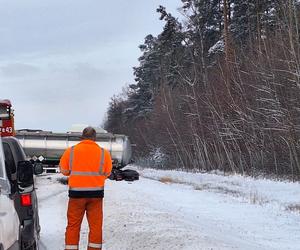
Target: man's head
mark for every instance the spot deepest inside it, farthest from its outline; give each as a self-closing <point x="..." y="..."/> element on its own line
<point x="89" y="133"/>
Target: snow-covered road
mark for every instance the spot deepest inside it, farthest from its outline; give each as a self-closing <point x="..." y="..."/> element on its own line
<point x="153" y="214"/>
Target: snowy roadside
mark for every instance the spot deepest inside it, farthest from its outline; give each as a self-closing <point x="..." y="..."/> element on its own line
<point x="282" y="195"/>
<point x="178" y="210"/>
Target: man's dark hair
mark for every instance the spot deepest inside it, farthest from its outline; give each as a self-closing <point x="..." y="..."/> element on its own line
<point x="89" y="133"/>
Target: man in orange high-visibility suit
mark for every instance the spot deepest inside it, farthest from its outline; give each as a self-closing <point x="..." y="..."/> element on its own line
<point x="87" y="166"/>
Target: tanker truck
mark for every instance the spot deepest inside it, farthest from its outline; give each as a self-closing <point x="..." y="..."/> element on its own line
<point x="47" y="147"/>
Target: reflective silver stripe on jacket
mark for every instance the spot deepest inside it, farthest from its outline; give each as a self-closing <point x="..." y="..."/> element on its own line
<point x="101" y="162"/>
<point x="94" y="245"/>
<point x="85" y="173"/>
<point x="71" y="159"/>
<point x="86" y="188"/>
<point x="71" y="246"/>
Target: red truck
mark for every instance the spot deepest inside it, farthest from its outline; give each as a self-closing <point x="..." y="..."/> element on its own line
<point x="6" y="119"/>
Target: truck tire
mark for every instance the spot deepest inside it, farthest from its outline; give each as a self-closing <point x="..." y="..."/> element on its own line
<point x="35" y="245"/>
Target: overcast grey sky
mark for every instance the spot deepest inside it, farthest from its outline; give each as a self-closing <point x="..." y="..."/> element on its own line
<point x="62" y="60"/>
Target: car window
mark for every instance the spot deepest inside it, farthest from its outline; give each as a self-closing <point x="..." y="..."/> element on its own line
<point x="19" y="151"/>
<point x="4" y="184"/>
<point x="1" y="160"/>
<point x="9" y="159"/>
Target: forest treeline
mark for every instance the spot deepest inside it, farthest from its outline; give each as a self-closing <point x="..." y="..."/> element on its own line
<point x="218" y="88"/>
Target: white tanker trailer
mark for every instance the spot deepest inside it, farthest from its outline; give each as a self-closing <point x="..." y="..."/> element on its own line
<point x="47" y="147"/>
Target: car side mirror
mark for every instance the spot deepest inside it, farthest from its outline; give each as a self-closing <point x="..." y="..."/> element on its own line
<point x="25" y="174"/>
<point x="38" y="168"/>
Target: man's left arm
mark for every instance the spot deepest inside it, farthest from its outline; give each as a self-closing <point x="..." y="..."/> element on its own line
<point x="64" y="163"/>
<point x="107" y="163"/>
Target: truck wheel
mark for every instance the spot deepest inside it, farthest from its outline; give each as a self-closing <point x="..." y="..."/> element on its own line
<point x="35" y="245"/>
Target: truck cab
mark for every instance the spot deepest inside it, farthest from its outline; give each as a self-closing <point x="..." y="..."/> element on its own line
<point x="9" y="220"/>
<point x="6" y="118"/>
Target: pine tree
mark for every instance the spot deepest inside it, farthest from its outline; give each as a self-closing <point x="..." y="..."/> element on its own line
<point x="204" y="23"/>
<point x="147" y="76"/>
<point x="158" y="65"/>
<point x="252" y="19"/>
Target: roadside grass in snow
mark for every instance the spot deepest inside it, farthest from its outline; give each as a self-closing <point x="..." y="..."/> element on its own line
<point x="198" y="187"/>
<point x="202" y="187"/>
<point x="294" y="208"/>
<point x="167" y="180"/>
<point x="228" y="191"/>
<point x="255" y="198"/>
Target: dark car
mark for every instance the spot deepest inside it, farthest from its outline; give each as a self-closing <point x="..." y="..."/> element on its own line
<point x="20" y="174"/>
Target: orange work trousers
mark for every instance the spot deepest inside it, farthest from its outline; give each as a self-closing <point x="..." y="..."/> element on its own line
<point x="94" y="213"/>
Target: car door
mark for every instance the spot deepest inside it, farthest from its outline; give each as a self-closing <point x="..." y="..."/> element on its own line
<point x="9" y="221"/>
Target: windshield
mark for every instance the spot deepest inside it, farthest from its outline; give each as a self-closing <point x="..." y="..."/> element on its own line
<point x="4" y="112"/>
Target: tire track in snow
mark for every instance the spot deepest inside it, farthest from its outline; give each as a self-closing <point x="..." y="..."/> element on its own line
<point x="43" y="199"/>
<point x="42" y="246"/>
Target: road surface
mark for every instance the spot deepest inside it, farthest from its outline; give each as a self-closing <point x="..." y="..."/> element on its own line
<point x="151" y="214"/>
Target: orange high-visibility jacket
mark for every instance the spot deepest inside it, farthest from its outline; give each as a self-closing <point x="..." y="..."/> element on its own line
<point x="87" y="166"/>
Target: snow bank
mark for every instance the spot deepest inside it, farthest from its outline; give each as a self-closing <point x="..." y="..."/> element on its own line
<point x="282" y="194"/>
